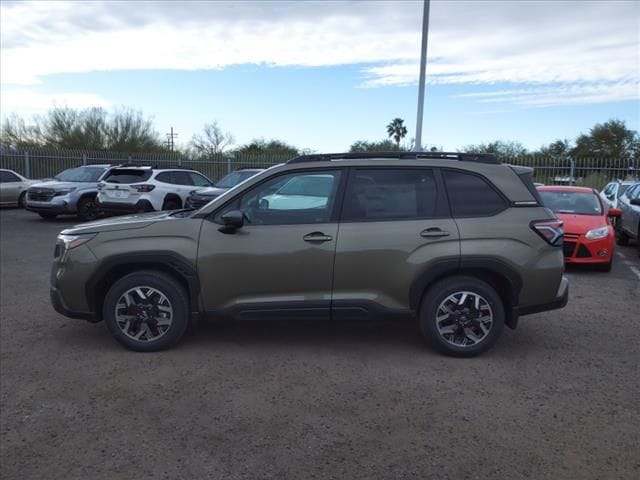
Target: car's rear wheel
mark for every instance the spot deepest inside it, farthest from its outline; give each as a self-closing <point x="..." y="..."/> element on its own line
<point x="146" y="311"/>
<point x="171" y="204"/>
<point x="48" y="216"/>
<point x="462" y="316"/>
<point x="87" y="209"/>
<point x="21" y="199"/>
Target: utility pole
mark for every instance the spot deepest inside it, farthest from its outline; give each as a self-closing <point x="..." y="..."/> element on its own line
<point x="170" y="137"/>
<point x="423" y="67"/>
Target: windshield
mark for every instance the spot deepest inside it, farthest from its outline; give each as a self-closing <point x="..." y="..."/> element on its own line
<point x="81" y="174"/>
<point x="310" y="185"/>
<point x="621" y="189"/>
<point x="234" y="178"/>
<point x="580" y="203"/>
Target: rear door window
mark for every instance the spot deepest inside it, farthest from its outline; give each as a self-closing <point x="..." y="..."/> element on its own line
<point x="471" y="195"/>
<point x="390" y="194"/>
<point x="8" y="177"/>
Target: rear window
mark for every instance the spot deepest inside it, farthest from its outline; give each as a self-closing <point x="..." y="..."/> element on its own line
<point x="471" y="196"/>
<point x="127" y="175"/>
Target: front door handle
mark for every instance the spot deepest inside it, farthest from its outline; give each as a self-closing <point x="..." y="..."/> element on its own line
<point x="317" y="237"/>
<point x="433" y="232"/>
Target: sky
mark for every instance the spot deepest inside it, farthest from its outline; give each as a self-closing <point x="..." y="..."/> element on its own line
<point x="323" y="74"/>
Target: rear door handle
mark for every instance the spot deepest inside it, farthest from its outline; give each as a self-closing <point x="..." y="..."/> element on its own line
<point x="433" y="232"/>
<point x="317" y="237"/>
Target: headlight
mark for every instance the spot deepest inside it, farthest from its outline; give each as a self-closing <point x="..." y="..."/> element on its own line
<point x="597" y="233"/>
<point x="64" y="191"/>
<point x="73" y="241"/>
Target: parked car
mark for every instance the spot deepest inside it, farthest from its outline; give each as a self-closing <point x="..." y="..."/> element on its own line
<point x="613" y="191"/>
<point x="629" y="225"/>
<point x="200" y="197"/>
<point x="72" y="191"/>
<point x="458" y="241"/>
<point x="13" y="188"/>
<point x="147" y="189"/>
<point x="588" y="228"/>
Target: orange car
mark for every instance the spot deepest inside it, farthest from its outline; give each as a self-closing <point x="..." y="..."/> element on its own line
<point x="588" y="229"/>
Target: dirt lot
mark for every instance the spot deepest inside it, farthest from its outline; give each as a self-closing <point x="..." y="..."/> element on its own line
<point x="558" y="398"/>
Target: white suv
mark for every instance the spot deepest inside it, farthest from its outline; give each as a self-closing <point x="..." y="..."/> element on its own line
<point x="611" y="193"/>
<point x="147" y="189"/>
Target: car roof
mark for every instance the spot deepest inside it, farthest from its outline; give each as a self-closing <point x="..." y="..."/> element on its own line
<point x="564" y="188"/>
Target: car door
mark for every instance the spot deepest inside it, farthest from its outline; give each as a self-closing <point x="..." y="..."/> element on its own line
<point x="280" y="261"/>
<point x="10" y="187"/>
<point x="394" y="226"/>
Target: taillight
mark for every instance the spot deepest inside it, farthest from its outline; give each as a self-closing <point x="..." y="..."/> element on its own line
<point x="551" y="230"/>
<point x="144" y="188"/>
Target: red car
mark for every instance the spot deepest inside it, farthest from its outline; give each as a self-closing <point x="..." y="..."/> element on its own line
<point x="588" y="229"/>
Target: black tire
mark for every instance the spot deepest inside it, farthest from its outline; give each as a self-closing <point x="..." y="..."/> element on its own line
<point x="171" y="204"/>
<point x="437" y="295"/>
<point x="605" y="267"/>
<point x="167" y="286"/>
<point x="21" y="198"/>
<point x="88" y="209"/>
<point x="622" y="238"/>
<point x="48" y="216"/>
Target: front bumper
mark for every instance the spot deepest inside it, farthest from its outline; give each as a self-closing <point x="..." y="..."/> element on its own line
<point x="578" y="249"/>
<point x="561" y="299"/>
<point x="57" y="205"/>
<point x="59" y="305"/>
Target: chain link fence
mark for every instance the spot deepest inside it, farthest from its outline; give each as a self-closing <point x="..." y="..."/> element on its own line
<point x="45" y="163"/>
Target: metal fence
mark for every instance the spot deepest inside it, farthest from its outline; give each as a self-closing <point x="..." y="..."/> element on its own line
<point x="45" y="163"/>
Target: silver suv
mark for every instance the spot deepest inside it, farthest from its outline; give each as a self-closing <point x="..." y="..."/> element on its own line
<point x="72" y="191"/>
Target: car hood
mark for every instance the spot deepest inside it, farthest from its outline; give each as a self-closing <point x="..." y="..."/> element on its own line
<point x="56" y="185"/>
<point x="581" y="224"/>
<point x="210" y="191"/>
<point x="127" y="222"/>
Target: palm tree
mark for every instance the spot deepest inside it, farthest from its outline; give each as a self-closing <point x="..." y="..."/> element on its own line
<point x="397" y="130"/>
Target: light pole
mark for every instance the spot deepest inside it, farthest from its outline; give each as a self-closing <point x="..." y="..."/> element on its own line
<point x="423" y="67"/>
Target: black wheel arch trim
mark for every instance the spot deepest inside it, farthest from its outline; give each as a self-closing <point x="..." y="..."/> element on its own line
<point x="177" y="264"/>
<point x="467" y="264"/>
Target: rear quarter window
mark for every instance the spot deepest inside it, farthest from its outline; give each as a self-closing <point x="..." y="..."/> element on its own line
<point x="471" y="195"/>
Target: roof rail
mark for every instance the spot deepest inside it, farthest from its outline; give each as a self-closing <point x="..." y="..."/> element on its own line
<point x="466" y="157"/>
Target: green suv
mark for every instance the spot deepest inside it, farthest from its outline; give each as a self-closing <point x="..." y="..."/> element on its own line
<point x="461" y="242"/>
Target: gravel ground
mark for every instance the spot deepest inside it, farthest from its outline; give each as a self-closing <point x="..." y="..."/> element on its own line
<point x="558" y="398"/>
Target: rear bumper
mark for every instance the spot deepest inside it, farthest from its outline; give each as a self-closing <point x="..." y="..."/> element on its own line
<point x="118" y="207"/>
<point x="561" y="299"/>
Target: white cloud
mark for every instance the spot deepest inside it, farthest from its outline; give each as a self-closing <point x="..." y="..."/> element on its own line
<point x="482" y="42"/>
<point x="35" y="102"/>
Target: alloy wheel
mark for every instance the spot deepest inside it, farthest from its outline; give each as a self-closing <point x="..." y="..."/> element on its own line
<point x="144" y="314"/>
<point x="464" y="319"/>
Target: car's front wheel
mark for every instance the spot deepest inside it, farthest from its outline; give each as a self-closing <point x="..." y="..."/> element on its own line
<point x="87" y="209"/>
<point x="146" y="311"/>
<point x="461" y="316"/>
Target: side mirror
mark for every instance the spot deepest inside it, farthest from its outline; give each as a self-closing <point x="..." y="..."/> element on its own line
<point x="232" y="220"/>
<point x="635" y="201"/>
<point x="614" y="212"/>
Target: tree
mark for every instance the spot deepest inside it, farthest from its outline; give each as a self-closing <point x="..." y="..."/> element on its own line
<point x="397" y="130"/>
<point x="270" y="148"/>
<point x="611" y="139"/>
<point x="16" y="132"/>
<point x="381" y="146"/>
<point x="212" y="142"/>
<point x="506" y="149"/>
<point x="88" y="129"/>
